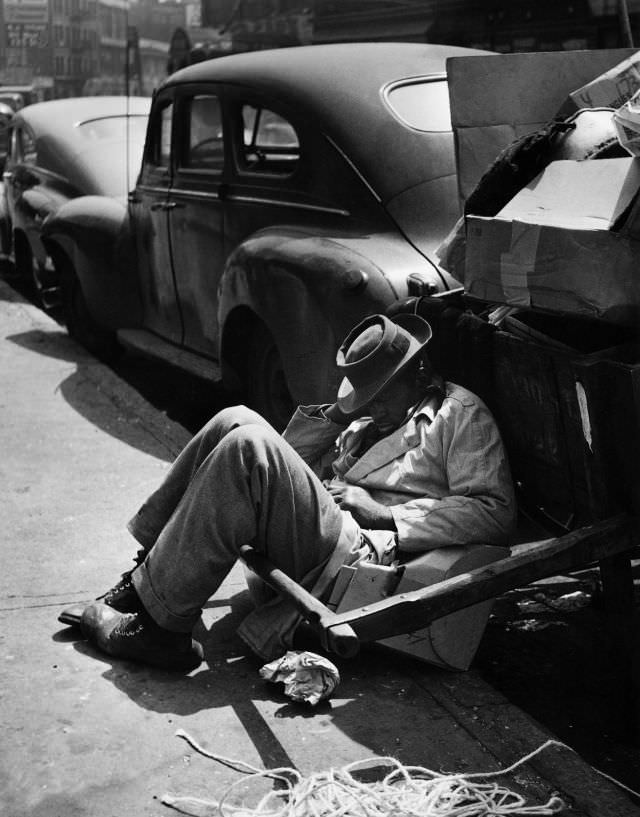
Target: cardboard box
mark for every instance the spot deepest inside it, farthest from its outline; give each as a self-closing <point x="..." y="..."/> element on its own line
<point x="566" y="243"/>
<point x="450" y="642"/>
<point x="588" y="195"/>
<point x="497" y="98"/>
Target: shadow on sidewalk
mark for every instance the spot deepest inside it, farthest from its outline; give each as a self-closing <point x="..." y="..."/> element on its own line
<point x="378" y="704"/>
<point x="93" y="391"/>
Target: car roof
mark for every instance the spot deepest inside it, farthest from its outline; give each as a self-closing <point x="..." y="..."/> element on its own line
<point x="338" y="86"/>
<point x="63" y="147"/>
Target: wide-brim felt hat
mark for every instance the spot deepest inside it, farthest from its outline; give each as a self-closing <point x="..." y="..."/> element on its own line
<point x="374" y="352"/>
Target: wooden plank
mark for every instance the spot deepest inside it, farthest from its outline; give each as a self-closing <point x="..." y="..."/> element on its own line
<point x="409" y="611"/>
<point x="335" y="636"/>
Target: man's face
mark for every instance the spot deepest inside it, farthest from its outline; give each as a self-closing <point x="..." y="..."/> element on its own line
<point x="390" y="406"/>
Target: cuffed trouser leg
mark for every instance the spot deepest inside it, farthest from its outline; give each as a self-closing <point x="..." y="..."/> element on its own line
<point x="250" y="487"/>
<point x="154" y="514"/>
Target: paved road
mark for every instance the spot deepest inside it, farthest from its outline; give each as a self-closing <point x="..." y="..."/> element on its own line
<point x="87" y="735"/>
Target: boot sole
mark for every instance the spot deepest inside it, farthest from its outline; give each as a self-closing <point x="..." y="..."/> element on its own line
<point x="72" y="615"/>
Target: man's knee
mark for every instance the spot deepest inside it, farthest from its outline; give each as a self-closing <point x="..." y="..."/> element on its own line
<point x="233" y="417"/>
<point x="250" y="443"/>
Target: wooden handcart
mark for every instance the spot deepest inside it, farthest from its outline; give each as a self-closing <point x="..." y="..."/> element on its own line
<point x="570" y="418"/>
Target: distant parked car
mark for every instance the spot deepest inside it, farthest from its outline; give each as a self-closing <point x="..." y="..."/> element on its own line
<point x="13" y="99"/>
<point x="283" y="195"/>
<point x="6" y="115"/>
<point x="60" y="150"/>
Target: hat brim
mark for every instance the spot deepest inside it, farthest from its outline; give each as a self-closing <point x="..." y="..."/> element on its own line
<point x="351" y="399"/>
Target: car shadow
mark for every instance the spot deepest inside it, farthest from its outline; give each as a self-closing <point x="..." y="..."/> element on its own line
<point x="102" y="398"/>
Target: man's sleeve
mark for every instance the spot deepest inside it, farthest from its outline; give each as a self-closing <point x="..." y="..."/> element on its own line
<point x="313" y="436"/>
<point x="480" y="504"/>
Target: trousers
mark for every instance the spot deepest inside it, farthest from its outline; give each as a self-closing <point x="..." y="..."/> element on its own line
<point x="236" y="482"/>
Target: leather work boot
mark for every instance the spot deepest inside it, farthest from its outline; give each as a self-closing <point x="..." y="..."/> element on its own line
<point x="136" y="637"/>
<point x="122" y="597"/>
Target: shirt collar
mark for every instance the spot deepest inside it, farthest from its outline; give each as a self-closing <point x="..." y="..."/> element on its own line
<point x="430" y="404"/>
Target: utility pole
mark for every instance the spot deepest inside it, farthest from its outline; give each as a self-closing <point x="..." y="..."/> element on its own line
<point x="625" y="24"/>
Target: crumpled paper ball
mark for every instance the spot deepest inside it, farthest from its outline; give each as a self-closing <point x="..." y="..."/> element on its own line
<point x="306" y="676"/>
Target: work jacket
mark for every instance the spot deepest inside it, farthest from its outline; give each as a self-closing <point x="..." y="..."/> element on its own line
<point x="444" y="474"/>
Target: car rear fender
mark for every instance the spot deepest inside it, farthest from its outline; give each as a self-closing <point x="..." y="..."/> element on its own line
<point x="309" y="291"/>
<point x="90" y="237"/>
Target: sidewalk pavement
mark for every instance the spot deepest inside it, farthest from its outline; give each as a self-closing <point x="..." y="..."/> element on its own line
<point x="86" y="735"/>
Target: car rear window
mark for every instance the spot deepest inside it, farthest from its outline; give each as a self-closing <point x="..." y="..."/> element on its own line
<point x="420" y="104"/>
<point x="270" y="142"/>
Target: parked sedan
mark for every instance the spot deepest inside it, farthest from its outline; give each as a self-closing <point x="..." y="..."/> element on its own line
<point x="60" y="150"/>
<point x="282" y="196"/>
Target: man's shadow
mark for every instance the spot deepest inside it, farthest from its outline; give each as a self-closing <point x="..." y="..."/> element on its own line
<point x="371" y="686"/>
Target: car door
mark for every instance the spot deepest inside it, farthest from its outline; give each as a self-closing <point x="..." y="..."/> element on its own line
<point x="150" y="211"/>
<point x="269" y="184"/>
<point x="196" y="214"/>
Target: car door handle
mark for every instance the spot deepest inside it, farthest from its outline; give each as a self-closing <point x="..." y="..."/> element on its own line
<point x="165" y="205"/>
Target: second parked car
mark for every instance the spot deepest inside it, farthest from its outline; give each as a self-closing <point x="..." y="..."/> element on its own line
<point x="60" y="150"/>
<point x="282" y="196"/>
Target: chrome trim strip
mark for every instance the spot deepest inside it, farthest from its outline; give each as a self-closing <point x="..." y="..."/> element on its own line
<point x="341" y="152"/>
<point x="147" y="188"/>
<point x="263" y="200"/>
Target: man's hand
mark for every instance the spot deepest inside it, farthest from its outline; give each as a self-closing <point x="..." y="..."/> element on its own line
<point x="366" y="511"/>
<point x="336" y="415"/>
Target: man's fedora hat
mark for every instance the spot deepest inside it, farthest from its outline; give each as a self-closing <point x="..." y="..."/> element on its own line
<point x="376" y="350"/>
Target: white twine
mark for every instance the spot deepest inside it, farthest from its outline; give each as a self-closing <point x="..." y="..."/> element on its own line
<point x="406" y="791"/>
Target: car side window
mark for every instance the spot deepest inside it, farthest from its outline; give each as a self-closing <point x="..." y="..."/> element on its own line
<point x="204" y="145"/>
<point x="270" y="142"/>
<point x="158" y="151"/>
<point x="164" y="139"/>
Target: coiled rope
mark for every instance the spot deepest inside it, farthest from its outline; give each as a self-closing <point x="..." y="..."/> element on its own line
<point x="406" y="791"/>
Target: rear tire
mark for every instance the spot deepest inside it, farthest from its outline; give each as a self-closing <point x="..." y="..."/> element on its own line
<point x="266" y="385"/>
<point x="81" y="325"/>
